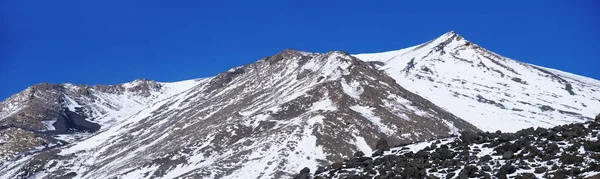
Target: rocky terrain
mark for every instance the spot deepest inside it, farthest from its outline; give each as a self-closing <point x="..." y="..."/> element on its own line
<point x="46" y="115"/>
<point x="295" y="109"/>
<point x="566" y="151"/>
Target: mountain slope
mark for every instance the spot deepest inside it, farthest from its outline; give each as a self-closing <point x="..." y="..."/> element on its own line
<point x="267" y="119"/>
<point x="50" y="115"/>
<point x="490" y="91"/>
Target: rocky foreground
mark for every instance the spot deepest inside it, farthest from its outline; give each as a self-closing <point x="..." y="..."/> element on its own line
<point x="567" y="151"/>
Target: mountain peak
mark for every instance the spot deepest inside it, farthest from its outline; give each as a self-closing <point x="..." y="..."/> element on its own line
<point x="286" y="53"/>
<point x="450" y="36"/>
<point x="292" y="52"/>
<point x="486" y="81"/>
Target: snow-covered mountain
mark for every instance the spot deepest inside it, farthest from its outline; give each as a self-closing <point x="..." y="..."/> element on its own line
<point x="101" y="104"/>
<point x="266" y="119"/>
<point x="271" y="118"/>
<point x="488" y="90"/>
<point x="49" y="115"/>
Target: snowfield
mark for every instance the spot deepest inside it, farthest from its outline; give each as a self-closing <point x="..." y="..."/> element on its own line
<point x="488" y="90"/>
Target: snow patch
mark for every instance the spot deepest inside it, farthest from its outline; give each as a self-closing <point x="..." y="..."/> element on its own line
<point x="49" y="125"/>
<point x="352" y="89"/>
<point x="367" y="112"/>
<point x="315" y="120"/>
<point x="362" y="145"/>
<point x="323" y="105"/>
<point x="453" y="129"/>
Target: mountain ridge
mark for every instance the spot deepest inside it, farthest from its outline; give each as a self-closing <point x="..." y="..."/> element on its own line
<point x="313" y="108"/>
<point x="297" y="109"/>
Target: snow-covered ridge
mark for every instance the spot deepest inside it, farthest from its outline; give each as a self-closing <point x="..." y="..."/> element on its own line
<point x="70" y="112"/>
<point x="294" y="109"/>
<point x="488" y="90"/>
<point x="262" y="120"/>
<point x="100" y="103"/>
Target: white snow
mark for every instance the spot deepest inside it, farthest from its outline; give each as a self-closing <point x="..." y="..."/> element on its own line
<point x="144" y="172"/>
<point x="315" y="120"/>
<point x="367" y="112"/>
<point x="453" y="129"/>
<point x="362" y="145"/>
<point x="70" y="103"/>
<point x="590" y="174"/>
<point x="131" y="112"/>
<point x="323" y="105"/>
<point x="421" y="145"/>
<point x="353" y="89"/>
<point x="71" y="137"/>
<point x="307" y="146"/>
<point x="49" y="125"/>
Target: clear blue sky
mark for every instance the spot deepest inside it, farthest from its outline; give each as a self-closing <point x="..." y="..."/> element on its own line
<point x="109" y="41"/>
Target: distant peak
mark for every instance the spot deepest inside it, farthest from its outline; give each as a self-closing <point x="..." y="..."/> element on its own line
<point x="452" y="35"/>
<point x="140" y="81"/>
<point x="288" y="50"/>
<point x="292" y="52"/>
<point x="287" y="53"/>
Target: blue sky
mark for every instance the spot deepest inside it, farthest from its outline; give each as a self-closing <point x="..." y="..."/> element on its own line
<point x="108" y="42"/>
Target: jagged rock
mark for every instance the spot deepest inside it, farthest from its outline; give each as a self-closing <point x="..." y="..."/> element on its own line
<point x="377" y="153"/>
<point x="468" y="171"/>
<point x="507" y="155"/>
<point x="412" y="172"/>
<point x="560" y="174"/>
<point x="468" y="137"/>
<point x="382" y="144"/>
<point x="526" y="176"/>
<point x="486" y="168"/>
<point x="555" y="137"/>
<point x="487" y="176"/>
<point x="552" y="149"/>
<point x="574" y="171"/>
<point x="507" y="169"/>
<point x="446" y="154"/>
<point x="304" y="174"/>
<point x="305" y="170"/>
<point x="505" y="137"/>
<point x="593" y="166"/>
<point x="337" y="165"/>
<point x="571" y="159"/>
<point x="450" y="175"/>
<point x="539" y="170"/>
<point x="526" y="132"/>
<point x="432" y="177"/>
<point x="485" y="158"/>
<point x="320" y="169"/>
<point x="592" y="146"/>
